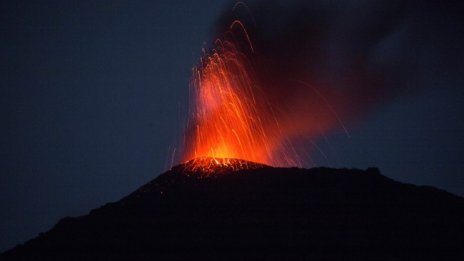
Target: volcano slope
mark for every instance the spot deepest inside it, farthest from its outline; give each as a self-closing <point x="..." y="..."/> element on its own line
<point x="261" y="212"/>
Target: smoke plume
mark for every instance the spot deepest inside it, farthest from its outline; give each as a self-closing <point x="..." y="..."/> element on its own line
<point x="323" y="65"/>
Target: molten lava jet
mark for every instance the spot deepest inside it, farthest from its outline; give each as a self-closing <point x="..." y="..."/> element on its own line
<point x="229" y="116"/>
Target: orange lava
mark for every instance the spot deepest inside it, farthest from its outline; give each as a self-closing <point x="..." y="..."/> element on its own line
<point x="228" y="116"/>
<point x="206" y="166"/>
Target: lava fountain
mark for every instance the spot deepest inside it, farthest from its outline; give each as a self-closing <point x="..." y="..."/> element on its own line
<point x="271" y="92"/>
<point x="229" y="115"/>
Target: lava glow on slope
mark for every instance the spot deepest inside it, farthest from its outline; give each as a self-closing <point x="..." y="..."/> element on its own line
<point x="229" y="119"/>
<point x="208" y="166"/>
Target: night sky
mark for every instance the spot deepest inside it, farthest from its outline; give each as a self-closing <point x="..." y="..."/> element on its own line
<point x="93" y="98"/>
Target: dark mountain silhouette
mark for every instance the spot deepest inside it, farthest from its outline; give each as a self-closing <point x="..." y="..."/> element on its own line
<point x="260" y="212"/>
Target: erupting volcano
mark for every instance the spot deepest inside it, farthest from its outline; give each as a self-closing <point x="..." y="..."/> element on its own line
<point x="229" y="115"/>
<point x="278" y="81"/>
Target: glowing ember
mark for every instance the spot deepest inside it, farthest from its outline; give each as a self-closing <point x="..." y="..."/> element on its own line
<point x="207" y="166"/>
<point x="229" y="118"/>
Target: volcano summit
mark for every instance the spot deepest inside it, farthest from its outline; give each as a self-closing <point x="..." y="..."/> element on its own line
<point x="260" y="212"/>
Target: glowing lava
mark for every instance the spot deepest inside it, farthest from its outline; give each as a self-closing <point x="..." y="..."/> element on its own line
<point x="228" y="116"/>
<point x="207" y="166"/>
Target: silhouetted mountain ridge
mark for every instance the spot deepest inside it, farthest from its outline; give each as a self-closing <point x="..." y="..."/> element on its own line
<point x="262" y="212"/>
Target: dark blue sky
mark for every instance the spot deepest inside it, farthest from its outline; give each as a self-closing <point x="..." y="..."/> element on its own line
<point x="92" y="97"/>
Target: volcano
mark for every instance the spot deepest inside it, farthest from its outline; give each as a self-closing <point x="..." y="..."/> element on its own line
<point x="234" y="209"/>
